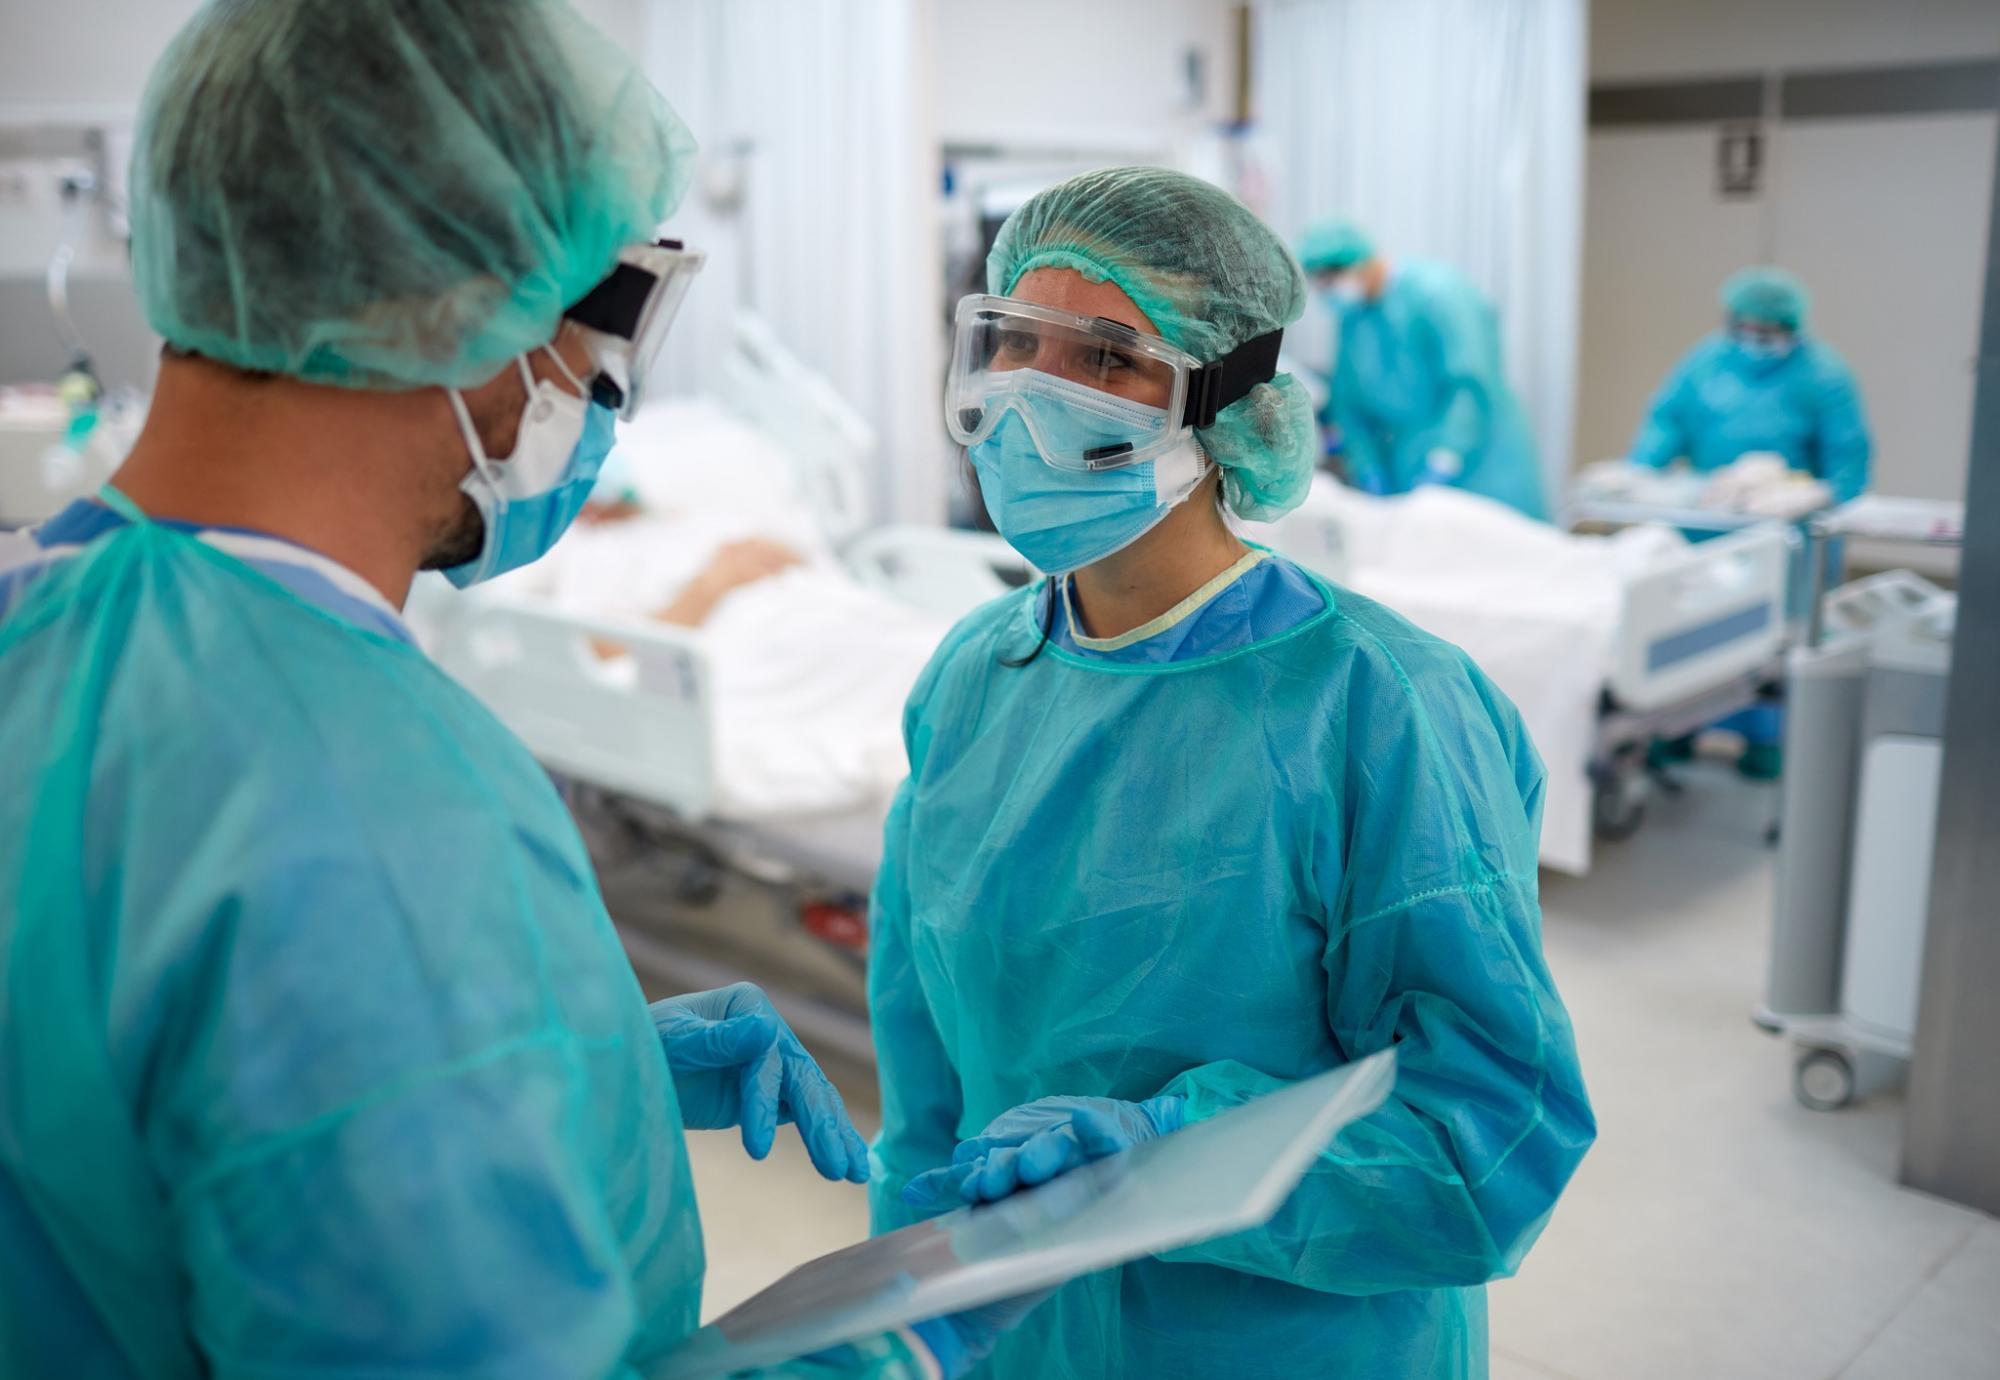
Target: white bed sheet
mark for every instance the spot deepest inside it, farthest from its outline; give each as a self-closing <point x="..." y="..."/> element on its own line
<point x="1536" y="608"/>
<point x="810" y="668"/>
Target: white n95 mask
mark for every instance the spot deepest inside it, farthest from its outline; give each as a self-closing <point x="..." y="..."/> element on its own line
<point x="529" y="499"/>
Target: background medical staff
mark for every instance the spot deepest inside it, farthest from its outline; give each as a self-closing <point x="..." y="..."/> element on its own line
<point x="320" y="1052"/>
<point x="1761" y="384"/>
<point x="1419" y="392"/>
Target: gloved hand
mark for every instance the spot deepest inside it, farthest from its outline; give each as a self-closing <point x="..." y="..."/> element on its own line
<point x="961" y="1341"/>
<point x="736" y="1063"/>
<point x="1039" y="1140"/>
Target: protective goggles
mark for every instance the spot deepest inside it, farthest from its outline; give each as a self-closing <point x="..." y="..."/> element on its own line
<point x="624" y="319"/>
<point x="1766" y="333"/>
<point x="1143" y="396"/>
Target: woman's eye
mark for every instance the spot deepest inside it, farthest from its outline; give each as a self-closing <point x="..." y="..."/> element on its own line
<point x="1107" y="361"/>
<point x="1017" y="343"/>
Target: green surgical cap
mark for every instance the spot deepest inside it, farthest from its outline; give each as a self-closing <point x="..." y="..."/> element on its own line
<point x="1767" y="294"/>
<point x="1210" y="276"/>
<point x="1333" y="245"/>
<point x="390" y="193"/>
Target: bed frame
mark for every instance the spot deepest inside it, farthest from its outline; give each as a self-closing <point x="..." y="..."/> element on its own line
<point x="644" y="730"/>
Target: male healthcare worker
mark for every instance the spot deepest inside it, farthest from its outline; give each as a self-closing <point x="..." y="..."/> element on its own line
<point x="1419" y="394"/>
<point x="1761" y="384"/>
<point x="318" y="1053"/>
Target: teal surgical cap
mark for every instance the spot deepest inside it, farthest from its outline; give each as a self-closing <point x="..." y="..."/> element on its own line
<point x="1767" y="294"/>
<point x="1210" y="276"/>
<point x="390" y="193"/>
<point x="1334" y="245"/>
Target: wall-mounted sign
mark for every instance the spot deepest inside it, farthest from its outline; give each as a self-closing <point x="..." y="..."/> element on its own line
<point x="1739" y="161"/>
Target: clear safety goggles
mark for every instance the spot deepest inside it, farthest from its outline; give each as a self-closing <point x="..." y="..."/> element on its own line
<point x="1140" y="396"/>
<point x="1768" y="334"/>
<point x="624" y="319"/>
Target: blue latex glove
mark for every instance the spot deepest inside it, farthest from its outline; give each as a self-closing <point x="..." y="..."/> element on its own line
<point x="961" y="1341"/>
<point x="1039" y="1140"/>
<point x="736" y="1063"/>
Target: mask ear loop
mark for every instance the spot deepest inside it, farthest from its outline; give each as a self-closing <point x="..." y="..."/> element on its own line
<point x="483" y="464"/>
<point x="562" y="367"/>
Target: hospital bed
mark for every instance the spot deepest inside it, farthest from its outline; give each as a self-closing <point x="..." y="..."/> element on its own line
<point x="1604" y="644"/>
<point x="650" y="731"/>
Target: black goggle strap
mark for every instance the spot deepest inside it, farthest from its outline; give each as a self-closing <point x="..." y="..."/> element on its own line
<point x="1231" y="378"/>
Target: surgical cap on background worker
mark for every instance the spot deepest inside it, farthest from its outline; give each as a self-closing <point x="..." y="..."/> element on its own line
<point x="1134" y="880"/>
<point x="1419" y="392"/>
<point x="1332" y="247"/>
<point x="1761" y="384"/>
<point x="322" y="1055"/>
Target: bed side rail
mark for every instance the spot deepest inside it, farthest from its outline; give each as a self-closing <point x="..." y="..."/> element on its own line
<point x="1713" y="612"/>
<point x="945" y="571"/>
<point x="644" y="728"/>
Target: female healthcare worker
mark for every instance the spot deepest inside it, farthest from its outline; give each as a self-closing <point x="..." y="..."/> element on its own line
<point x="1761" y="385"/>
<point x="1186" y="823"/>
<point x="1418" y="394"/>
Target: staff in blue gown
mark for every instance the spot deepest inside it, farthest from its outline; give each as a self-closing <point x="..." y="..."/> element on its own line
<point x="1761" y="384"/>
<point x="318" y="1052"/>
<point x="1186" y="823"/>
<point x="1419" y="392"/>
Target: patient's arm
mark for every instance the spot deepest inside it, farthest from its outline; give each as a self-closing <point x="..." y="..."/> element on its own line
<point x="597" y="514"/>
<point x="735" y="565"/>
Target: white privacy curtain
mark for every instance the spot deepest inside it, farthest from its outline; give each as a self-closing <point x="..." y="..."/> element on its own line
<point x="1454" y="130"/>
<point x="816" y="202"/>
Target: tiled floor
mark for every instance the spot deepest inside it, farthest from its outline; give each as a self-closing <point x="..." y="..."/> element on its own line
<point x="1717" y="1230"/>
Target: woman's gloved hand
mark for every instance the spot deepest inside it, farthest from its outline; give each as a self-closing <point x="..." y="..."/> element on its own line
<point x="736" y="1063"/>
<point x="1039" y="1140"/>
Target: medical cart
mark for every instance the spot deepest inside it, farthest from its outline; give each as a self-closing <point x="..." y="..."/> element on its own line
<point x="1864" y="745"/>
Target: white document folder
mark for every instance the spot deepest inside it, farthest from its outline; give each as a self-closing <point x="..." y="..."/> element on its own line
<point x="1226" y="1174"/>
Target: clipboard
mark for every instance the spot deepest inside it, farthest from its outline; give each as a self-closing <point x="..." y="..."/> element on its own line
<point x="1226" y="1174"/>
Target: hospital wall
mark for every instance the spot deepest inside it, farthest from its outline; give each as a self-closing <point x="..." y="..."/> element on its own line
<point x="1883" y="213"/>
<point x="1044" y="81"/>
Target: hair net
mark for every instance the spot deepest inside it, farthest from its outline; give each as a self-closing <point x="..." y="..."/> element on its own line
<point x="1209" y="275"/>
<point x="390" y="193"/>
<point x="1767" y="294"/>
<point x="1332" y="245"/>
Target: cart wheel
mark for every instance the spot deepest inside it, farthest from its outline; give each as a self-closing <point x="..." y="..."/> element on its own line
<point x="1618" y="806"/>
<point x="1823" y="1080"/>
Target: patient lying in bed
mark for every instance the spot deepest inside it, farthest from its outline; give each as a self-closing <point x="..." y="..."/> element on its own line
<point x="809" y="667"/>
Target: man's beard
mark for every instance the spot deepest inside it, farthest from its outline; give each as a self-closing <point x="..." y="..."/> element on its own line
<point x="459" y="541"/>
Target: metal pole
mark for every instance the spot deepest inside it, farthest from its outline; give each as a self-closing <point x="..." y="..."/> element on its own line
<point x="1951" y="1134"/>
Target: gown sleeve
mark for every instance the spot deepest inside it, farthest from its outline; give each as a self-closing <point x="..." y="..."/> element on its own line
<point x="1433" y="948"/>
<point x="448" y="1217"/>
<point x="1663" y="435"/>
<point x="1843" y="440"/>
<point x="1360" y="450"/>
<point x="921" y="1097"/>
<point x="1466" y="343"/>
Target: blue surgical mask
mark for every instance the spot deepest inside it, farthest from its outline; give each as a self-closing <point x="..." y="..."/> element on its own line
<point x="529" y="499"/>
<point x="1760" y="348"/>
<point x="1061" y="520"/>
